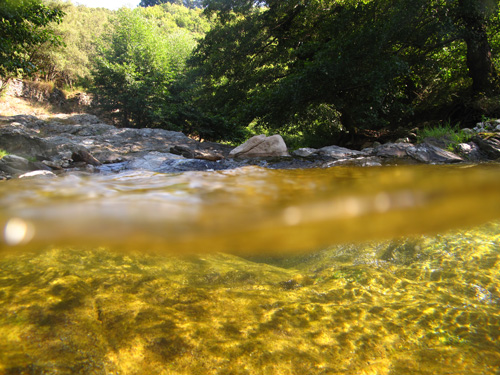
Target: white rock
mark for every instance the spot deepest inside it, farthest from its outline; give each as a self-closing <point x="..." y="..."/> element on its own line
<point x="261" y="146"/>
<point x="38" y="174"/>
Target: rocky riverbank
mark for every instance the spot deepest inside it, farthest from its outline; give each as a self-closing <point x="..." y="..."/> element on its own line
<point x="53" y="144"/>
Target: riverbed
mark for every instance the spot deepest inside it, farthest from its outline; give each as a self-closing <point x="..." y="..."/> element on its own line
<point x="383" y="270"/>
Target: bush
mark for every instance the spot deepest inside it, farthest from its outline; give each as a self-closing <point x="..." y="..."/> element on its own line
<point x="136" y="67"/>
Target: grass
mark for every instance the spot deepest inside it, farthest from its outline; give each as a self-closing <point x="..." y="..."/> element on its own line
<point x="450" y="135"/>
<point x="3" y="153"/>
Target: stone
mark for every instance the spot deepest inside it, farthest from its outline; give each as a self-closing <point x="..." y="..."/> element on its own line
<point x="261" y="146"/>
<point x="85" y="156"/>
<point x="16" y="141"/>
<point x="16" y="162"/>
<point x="371" y="161"/>
<point x="337" y="152"/>
<point x="470" y="151"/>
<point x="428" y="153"/>
<point x="182" y="150"/>
<point x="152" y="161"/>
<point x="392" y="150"/>
<point x="489" y="145"/>
<point x="38" y="174"/>
<point x="62" y="140"/>
<point x="15" y="165"/>
<point x="304" y="152"/>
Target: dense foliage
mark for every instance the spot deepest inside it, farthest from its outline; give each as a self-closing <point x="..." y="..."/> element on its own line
<point x="317" y="71"/>
<point x="22" y="31"/>
<point x="186" y="3"/>
<point x="136" y="66"/>
<point x="70" y="63"/>
<point x="335" y="67"/>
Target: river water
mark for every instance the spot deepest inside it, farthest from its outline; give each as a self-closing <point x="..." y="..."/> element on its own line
<point x="387" y="270"/>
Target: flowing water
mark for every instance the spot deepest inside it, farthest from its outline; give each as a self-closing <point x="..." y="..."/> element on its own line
<point x="391" y="270"/>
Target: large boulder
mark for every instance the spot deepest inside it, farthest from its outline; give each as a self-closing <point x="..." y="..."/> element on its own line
<point x="392" y="150"/>
<point x="261" y="146"/>
<point x="13" y="165"/>
<point x="490" y="145"/>
<point x="429" y="153"/>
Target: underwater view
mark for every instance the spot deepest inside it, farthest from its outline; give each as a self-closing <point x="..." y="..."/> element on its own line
<point x="344" y="270"/>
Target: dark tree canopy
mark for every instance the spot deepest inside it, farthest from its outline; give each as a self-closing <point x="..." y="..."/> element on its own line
<point x="187" y="3"/>
<point x="347" y="64"/>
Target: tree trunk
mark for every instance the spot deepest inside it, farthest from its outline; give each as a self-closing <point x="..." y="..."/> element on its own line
<point x="479" y="62"/>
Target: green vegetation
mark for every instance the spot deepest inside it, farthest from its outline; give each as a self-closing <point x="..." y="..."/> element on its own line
<point x="186" y="3"/>
<point x="3" y="153"/>
<point x="450" y="135"/>
<point x="370" y="64"/>
<point x="136" y="66"/>
<point x="69" y="64"/>
<point x="22" y="32"/>
<point x="317" y="72"/>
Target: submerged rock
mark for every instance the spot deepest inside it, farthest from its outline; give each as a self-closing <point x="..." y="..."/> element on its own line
<point x="152" y="161"/>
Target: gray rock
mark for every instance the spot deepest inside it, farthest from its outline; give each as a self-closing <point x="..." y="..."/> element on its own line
<point x="16" y="162"/>
<point x="371" y="161"/>
<point x="17" y="142"/>
<point x="304" y="152"/>
<point x="428" y="153"/>
<point x="392" y="150"/>
<point x="15" y="165"/>
<point x="59" y="141"/>
<point x="186" y="165"/>
<point x="337" y="152"/>
<point x="152" y="161"/>
<point x="490" y="145"/>
<point x="470" y="151"/>
<point x="82" y="155"/>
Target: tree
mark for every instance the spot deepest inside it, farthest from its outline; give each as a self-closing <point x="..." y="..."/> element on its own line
<point x="473" y="18"/>
<point x="281" y="63"/>
<point x="70" y="63"/>
<point x="23" y="30"/>
<point x="135" y="69"/>
<point x="371" y="62"/>
<point x="187" y="3"/>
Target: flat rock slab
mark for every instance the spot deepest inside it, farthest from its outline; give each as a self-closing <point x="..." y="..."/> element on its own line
<point x="428" y="153"/>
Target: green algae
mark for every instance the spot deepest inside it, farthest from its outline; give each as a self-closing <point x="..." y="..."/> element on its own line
<point x="420" y="305"/>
